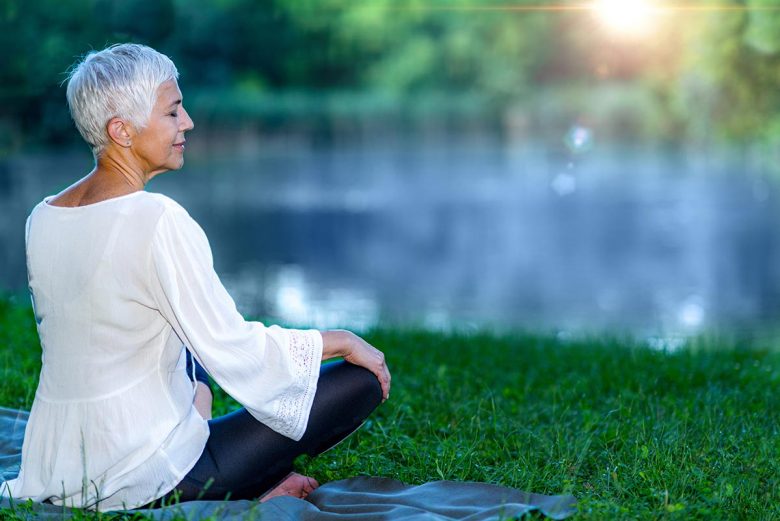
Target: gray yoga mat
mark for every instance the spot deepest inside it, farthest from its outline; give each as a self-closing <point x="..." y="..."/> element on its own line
<point x="360" y="498"/>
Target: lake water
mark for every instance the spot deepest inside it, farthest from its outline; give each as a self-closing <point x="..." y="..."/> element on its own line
<point x="464" y="233"/>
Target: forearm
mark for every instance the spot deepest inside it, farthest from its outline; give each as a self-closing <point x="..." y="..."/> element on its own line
<point x="336" y="343"/>
<point x="203" y="400"/>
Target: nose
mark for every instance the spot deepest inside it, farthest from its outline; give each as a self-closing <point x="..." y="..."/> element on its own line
<point x="186" y="122"/>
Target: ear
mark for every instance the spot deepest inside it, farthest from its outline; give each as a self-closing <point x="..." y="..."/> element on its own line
<point x="120" y="132"/>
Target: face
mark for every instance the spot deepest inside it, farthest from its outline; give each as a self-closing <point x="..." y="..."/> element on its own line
<point x="160" y="146"/>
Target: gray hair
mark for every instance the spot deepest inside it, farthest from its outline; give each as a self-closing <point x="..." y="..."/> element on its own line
<point x="121" y="81"/>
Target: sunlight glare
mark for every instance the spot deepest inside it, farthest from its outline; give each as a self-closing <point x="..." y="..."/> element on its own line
<point x="626" y="17"/>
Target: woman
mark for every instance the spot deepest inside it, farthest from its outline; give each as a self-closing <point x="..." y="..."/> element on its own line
<point x="121" y="281"/>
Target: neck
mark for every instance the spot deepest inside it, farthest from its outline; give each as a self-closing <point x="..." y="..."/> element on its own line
<point x="113" y="164"/>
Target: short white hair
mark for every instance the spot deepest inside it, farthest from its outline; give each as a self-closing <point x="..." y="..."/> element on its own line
<point x="121" y="81"/>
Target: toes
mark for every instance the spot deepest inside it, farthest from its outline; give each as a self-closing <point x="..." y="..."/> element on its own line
<point x="311" y="483"/>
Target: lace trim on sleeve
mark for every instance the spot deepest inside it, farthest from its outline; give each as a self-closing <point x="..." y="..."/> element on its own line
<point x="293" y="408"/>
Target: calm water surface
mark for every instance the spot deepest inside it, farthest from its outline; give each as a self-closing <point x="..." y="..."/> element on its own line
<point x="464" y="234"/>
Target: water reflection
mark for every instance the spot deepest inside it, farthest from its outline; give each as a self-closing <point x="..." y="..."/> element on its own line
<point x="465" y="234"/>
<point x="291" y="296"/>
<point x="564" y="184"/>
<point x="691" y="314"/>
<point x="668" y="344"/>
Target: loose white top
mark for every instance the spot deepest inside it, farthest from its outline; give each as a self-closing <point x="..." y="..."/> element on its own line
<point x="118" y="288"/>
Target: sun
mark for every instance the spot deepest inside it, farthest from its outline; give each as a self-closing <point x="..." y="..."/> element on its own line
<point x="626" y="17"/>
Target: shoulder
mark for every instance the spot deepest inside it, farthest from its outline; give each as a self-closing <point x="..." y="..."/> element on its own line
<point x="163" y="210"/>
<point x="162" y="203"/>
<point x="172" y="219"/>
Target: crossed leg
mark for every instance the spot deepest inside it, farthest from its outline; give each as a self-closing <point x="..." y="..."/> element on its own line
<point x="245" y="459"/>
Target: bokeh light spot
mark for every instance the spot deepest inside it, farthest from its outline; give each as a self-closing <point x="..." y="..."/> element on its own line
<point x="564" y="184"/>
<point x="691" y="314"/>
<point x="579" y="139"/>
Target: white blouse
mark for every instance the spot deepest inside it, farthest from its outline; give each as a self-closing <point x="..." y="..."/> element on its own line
<point x="119" y="288"/>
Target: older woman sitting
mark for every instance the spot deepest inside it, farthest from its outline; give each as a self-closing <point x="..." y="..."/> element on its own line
<point x="122" y="285"/>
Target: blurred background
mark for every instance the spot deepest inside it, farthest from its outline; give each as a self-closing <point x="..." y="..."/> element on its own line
<point x="575" y="167"/>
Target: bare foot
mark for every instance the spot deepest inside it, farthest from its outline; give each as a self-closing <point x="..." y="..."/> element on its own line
<point x="295" y="485"/>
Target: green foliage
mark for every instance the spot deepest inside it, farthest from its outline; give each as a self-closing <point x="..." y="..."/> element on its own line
<point x="707" y="75"/>
<point x="763" y="24"/>
<point x="150" y="22"/>
<point x="633" y="433"/>
<point x="733" y="72"/>
<point x="409" y="45"/>
<point x="241" y="47"/>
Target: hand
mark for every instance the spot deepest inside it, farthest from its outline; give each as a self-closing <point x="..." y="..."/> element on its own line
<point x="357" y="351"/>
<point x="368" y="356"/>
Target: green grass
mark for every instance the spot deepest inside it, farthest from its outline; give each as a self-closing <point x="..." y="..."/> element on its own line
<point x="633" y="433"/>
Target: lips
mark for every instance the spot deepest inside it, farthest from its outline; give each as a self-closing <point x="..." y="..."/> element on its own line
<point x="180" y="146"/>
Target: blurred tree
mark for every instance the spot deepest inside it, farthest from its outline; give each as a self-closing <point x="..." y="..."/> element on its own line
<point x="723" y="81"/>
<point x="40" y="40"/>
<point x="136" y="20"/>
<point x="730" y="84"/>
<point x="411" y="45"/>
<point x="762" y="32"/>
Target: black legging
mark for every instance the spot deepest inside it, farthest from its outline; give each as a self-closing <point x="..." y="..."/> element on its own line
<point x="244" y="458"/>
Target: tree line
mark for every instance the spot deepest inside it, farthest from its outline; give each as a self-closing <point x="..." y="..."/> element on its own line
<point x="701" y="75"/>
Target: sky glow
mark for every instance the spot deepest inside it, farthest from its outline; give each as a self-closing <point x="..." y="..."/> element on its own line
<point x="627" y="17"/>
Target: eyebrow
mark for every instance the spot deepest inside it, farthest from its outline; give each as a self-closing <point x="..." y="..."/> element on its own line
<point x="177" y="102"/>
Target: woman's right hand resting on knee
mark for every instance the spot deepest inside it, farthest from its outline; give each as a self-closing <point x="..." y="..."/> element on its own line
<point x="357" y="351"/>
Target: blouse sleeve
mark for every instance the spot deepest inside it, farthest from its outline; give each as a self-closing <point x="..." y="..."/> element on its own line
<point x="271" y="371"/>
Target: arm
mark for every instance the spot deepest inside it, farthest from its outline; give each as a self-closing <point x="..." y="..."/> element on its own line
<point x="357" y="351"/>
<point x="271" y="371"/>
<point x="203" y="395"/>
<point x="336" y="343"/>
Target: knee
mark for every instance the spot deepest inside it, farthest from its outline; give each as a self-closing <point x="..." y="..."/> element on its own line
<point x="364" y="386"/>
<point x="371" y="388"/>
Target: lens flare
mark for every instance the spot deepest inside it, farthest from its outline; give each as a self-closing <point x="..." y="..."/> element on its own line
<point x="626" y="17"/>
<point x="578" y="139"/>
